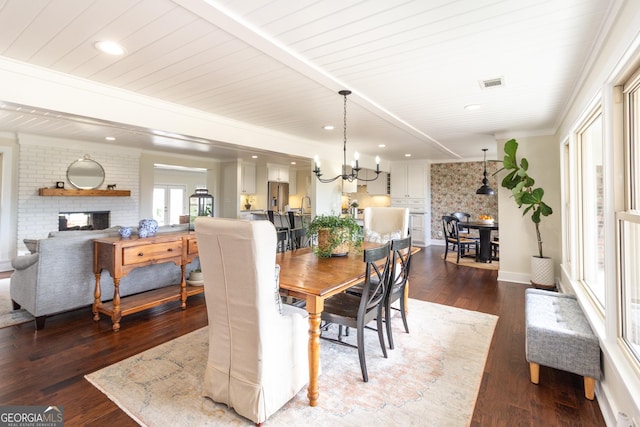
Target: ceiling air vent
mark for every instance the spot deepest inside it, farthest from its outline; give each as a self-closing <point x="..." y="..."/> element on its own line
<point x="492" y="83"/>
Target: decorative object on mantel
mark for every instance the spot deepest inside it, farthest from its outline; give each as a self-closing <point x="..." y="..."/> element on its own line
<point x="125" y="232"/>
<point x="355" y="168"/>
<point x="111" y="187"/>
<point x="147" y="227"/>
<point x="59" y="184"/>
<point x="485" y="189"/>
<point x="85" y="174"/>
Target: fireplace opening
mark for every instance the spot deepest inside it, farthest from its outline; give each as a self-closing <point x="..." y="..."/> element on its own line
<point x="98" y="220"/>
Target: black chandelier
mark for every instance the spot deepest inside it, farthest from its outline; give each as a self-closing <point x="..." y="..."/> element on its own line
<point x="485" y="189"/>
<point x="349" y="173"/>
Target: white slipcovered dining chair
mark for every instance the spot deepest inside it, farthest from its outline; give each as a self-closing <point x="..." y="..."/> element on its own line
<point x="257" y="346"/>
<point x="382" y="224"/>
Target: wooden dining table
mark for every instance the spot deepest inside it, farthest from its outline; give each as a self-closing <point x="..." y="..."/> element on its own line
<point x="484" y="229"/>
<point x="306" y="276"/>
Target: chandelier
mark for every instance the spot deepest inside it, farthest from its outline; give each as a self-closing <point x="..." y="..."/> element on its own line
<point x="349" y="173"/>
<point x="485" y="189"/>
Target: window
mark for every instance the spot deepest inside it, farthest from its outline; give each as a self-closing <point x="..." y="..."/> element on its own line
<point x="629" y="220"/>
<point x="591" y="191"/>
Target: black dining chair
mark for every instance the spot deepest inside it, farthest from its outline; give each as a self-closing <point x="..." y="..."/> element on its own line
<point x="398" y="278"/>
<point x="281" y="230"/>
<point x="450" y="226"/>
<point x="495" y="249"/>
<point x="462" y="218"/>
<point x="297" y="234"/>
<point x="356" y="311"/>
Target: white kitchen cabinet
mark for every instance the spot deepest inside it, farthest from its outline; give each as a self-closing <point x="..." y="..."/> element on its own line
<point x="417" y="227"/>
<point x="408" y="180"/>
<point x="365" y="174"/>
<point x="277" y="173"/>
<point x="248" y="178"/>
<point x="379" y="186"/>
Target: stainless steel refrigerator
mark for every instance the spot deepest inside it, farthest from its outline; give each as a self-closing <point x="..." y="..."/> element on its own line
<point x="278" y="194"/>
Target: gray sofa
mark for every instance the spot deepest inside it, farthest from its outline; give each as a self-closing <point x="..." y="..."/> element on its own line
<point x="58" y="275"/>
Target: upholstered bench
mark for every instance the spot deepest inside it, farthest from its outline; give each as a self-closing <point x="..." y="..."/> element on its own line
<point x="559" y="336"/>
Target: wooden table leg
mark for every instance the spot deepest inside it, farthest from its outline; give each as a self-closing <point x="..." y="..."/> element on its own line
<point x="183" y="288"/>
<point x="406" y="298"/>
<point x="96" y="299"/>
<point x="314" y="308"/>
<point x="117" y="314"/>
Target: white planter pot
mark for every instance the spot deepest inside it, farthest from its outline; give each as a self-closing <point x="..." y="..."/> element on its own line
<point x="542" y="274"/>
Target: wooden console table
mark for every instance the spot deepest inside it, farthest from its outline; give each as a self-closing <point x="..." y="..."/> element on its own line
<point x="119" y="256"/>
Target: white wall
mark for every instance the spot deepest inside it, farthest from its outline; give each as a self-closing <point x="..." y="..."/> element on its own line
<point x="147" y="173"/>
<point x="8" y="199"/>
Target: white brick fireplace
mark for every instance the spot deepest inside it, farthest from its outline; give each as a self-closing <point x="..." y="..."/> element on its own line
<point x="43" y="161"/>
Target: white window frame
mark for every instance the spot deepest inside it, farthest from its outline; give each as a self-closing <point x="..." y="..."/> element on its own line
<point x="594" y="113"/>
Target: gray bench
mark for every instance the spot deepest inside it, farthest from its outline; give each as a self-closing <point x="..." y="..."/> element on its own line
<point x="559" y="336"/>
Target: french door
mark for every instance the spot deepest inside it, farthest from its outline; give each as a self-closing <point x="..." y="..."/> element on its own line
<point x="169" y="202"/>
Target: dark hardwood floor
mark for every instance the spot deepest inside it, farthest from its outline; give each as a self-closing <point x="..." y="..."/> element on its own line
<point x="47" y="367"/>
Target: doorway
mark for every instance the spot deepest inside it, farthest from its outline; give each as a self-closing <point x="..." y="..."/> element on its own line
<point x="169" y="203"/>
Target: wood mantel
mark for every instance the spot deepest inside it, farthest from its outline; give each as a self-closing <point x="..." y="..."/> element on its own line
<point x="85" y="193"/>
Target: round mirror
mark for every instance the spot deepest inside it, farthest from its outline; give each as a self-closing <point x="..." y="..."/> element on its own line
<point x="85" y="174"/>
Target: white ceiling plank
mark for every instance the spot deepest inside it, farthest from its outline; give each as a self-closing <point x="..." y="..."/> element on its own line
<point x="278" y="64"/>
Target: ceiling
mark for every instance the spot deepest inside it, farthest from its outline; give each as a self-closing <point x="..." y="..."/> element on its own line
<point x="278" y="64"/>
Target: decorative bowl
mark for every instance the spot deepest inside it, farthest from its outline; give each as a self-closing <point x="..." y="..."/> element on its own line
<point x="125" y="232"/>
<point x="486" y="221"/>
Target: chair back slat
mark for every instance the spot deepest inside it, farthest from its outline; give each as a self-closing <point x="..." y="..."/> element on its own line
<point x="376" y="277"/>
<point x="400" y="265"/>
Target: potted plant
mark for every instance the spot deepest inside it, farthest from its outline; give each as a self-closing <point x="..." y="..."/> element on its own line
<point x="336" y="235"/>
<point x="248" y="201"/>
<point x="354" y="208"/>
<point x="526" y="195"/>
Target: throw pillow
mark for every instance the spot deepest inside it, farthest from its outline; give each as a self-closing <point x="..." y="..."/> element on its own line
<point x="32" y="245"/>
<point x="375" y="237"/>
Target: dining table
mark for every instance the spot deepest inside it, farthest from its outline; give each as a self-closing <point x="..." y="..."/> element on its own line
<point x="484" y="230"/>
<point x="304" y="275"/>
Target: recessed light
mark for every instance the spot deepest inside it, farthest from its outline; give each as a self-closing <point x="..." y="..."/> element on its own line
<point x="407" y="155"/>
<point x="110" y="138"/>
<point x="382" y="145"/>
<point x="109" y="47"/>
<point x="293" y="163"/>
<point x="328" y="127"/>
<point x="472" y="107"/>
<point x="254" y="157"/>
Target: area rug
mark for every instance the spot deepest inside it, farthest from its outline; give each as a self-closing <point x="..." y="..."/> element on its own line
<point x="432" y="377"/>
<point x="9" y="316"/>
<point x="470" y="262"/>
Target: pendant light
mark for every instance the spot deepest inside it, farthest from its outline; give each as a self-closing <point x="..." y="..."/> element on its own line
<point x="348" y="174"/>
<point x="485" y="189"/>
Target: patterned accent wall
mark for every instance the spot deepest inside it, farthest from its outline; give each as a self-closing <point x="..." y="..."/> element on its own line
<point x="453" y="189"/>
